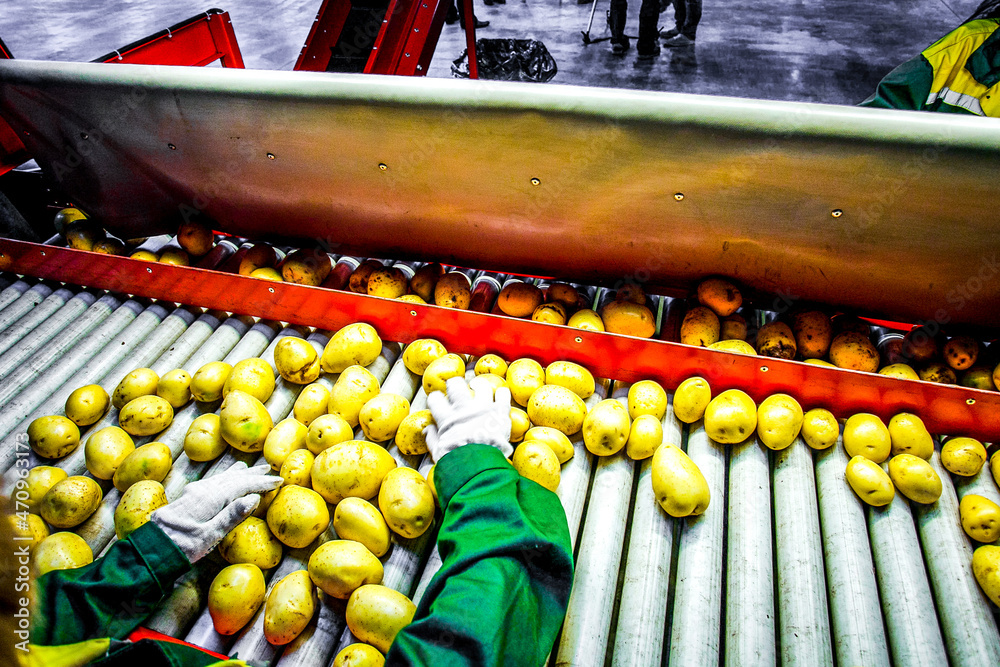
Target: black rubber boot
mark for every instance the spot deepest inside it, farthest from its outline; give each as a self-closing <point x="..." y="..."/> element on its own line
<point x="616" y="23"/>
<point x="648" y="43"/>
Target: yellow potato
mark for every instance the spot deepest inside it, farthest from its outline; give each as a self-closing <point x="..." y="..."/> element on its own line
<point x="252" y="542"/>
<point x="678" y="484"/>
<point x="339" y="567"/>
<point x="354" y="345"/>
<point x="855" y="351"/>
<point x="605" y="428"/>
<point x="203" y="441"/>
<point x="144" y="256"/>
<point x="986" y="568"/>
<point x="296" y="360"/>
<point x="53" y="437"/>
<point x="259" y="256"/>
<point x="524" y="376"/>
<point x="977" y="377"/>
<point x="61" y="551"/>
<point x="265" y="503"/>
<point x="355" y="387"/>
<point x="519" y="424"/>
<point x="691" y="399"/>
<point x="327" y="431"/>
<point x="359" y="655"/>
<point x="535" y="460"/>
<point x="980" y="518"/>
<point x="208" y="381"/>
<point x="915" y="478"/>
<point x="644" y="437"/>
<point x="735" y="346"/>
<point x="453" y="290"/>
<point x="866" y="435"/>
<point x="39" y="480"/>
<point x="425" y="279"/>
<point x="410" y="435"/>
<point x="820" y="362"/>
<point x="297" y="516"/>
<point x="146" y="415"/>
<point x="267" y="273"/>
<point x="252" y="376"/>
<point x="297" y="468"/>
<point x="175" y="388"/>
<point x="557" y="407"/>
<point x="419" y="354"/>
<point x="869" y="481"/>
<point x="86" y="405"/>
<point x="289" y="607"/>
<point x="83" y="234"/>
<point x="357" y="519"/>
<point x="106" y="450"/>
<point x="244" y="422"/>
<point x="519" y="299"/>
<point x="813" y="333"/>
<point x="70" y="502"/>
<point x="629" y="319"/>
<point x="820" y="428"/>
<point x="995" y="466"/>
<point x="442" y="369"/>
<point x="721" y="295"/>
<point x="151" y="461"/>
<point x="961" y="352"/>
<point x="963" y="456"/>
<point x="306" y="266"/>
<point x="937" y="372"/>
<point x="137" y="504"/>
<point x="567" y="295"/>
<point x="352" y="469"/>
<point x="409" y="298"/>
<point x="554" y="438"/>
<point x="287" y="436"/>
<point x="733" y="327"/>
<point x="491" y="364"/>
<point x="586" y="319"/>
<point x="573" y="376"/>
<point x="375" y="614"/>
<point x="731" y="417"/>
<point x="550" y="313"/>
<point x="66" y="217"/>
<point x="234" y="597"/>
<point x="909" y="436"/>
<point x="196" y="238"/>
<point x="647" y="397"/>
<point x="901" y="371"/>
<point x="406" y="502"/>
<point x="381" y="416"/>
<point x="387" y="282"/>
<point x="140" y="382"/>
<point x="313" y="401"/>
<point x="779" y="420"/>
<point x="700" y="327"/>
<point x="487" y="382"/>
<point x="29" y="530"/>
<point x="775" y="339"/>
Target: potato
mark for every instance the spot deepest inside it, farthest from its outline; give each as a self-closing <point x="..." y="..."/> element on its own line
<point x="339" y="567"/>
<point x="244" y="422"/>
<point x="647" y="397"/>
<point x="297" y="516"/>
<point x="137" y="504"/>
<point x="358" y="282"/>
<point x="61" y="551"/>
<point x="937" y="372"/>
<point x="289" y="607"/>
<point x="915" y="478"/>
<point x="66" y="217"/>
<point x="175" y="388"/>
<point x="268" y="273"/>
<point x="313" y="401"/>
<point x="86" y="405"/>
<point x="644" y="437"/>
<point x="519" y="299"/>
<point x="252" y="542"/>
<point x="586" y="319"/>
<point x="406" y="502"/>
<point x="234" y="597"/>
<point x="425" y="279"/>
<point x="550" y="313"/>
<point x="820" y="428"/>
<point x="151" y="461"/>
<point x="691" y="399"/>
<point x="813" y="333"/>
<point x="265" y="503"/>
<point x="296" y="360"/>
<point x="28" y="530"/>
<point x="920" y="345"/>
<point x="252" y="376"/>
<point x="146" y="415"/>
<point x="453" y="290"/>
<point x="678" y="484"/>
<point x="775" y="339"/>
<point x="630" y="292"/>
<point x="901" y="371"/>
<point x="441" y="370"/>
<point x="287" y="436"/>
<point x="779" y="420"/>
<point x="297" y="468"/>
<point x="557" y="407"/>
<point x="855" y="351"/>
<point x="387" y="282"/>
<point x="352" y="469"/>
<point x="605" y="428"/>
<point x="519" y="424"/>
<point x="306" y="266"/>
<point x="986" y="568"/>
<point x="106" y="450"/>
<point x="536" y="461"/>
<point x="203" y="441"/>
<point x="327" y="431"/>
<point x="376" y="614"/>
<point x="909" y="436"/>
<point x="524" y="376"/>
<point x="144" y="256"/>
<point x="734" y="346"/>
<point x="355" y="387"/>
<point x="963" y="456"/>
<point x="354" y="345"/>
<point x="961" y="352"/>
<point x="71" y="501"/>
<point x="410" y="298"/>
<point x="419" y="354"/>
<point x="555" y="439"/>
<point x="259" y="256"/>
<point x="733" y="327"/>
<point x="869" y="482"/>
<point x="39" y="480"/>
<point x="866" y="435"/>
<point x="629" y="319"/>
<point x="410" y="435"/>
<point x="357" y="519"/>
<point x="208" y="381"/>
<point x="977" y="377"/>
<point x="995" y="466"/>
<point x="819" y="362"/>
<point x="175" y="257"/>
<point x="359" y="655"/>
<point x="700" y="327"/>
<point x="83" y="234"/>
<point x="980" y="518"/>
<point x="491" y="364"/>
<point x="196" y="238"/>
<point x="53" y="437"/>
<point x="109" y="246"/>
<point x="573" y="376"/>
<point x="731" y="417"/>
<point x="140" y="382"/>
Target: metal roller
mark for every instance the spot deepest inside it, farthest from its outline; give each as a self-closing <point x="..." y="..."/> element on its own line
<point x="970" y="632"/>
<point x="220" y="342"/>
<point x="13" y="292"/>
<point x="749" y="628"/>
<point x="173" y="615"/>
<point x="803" y="614"/>
<point x="698" y="586"/>
<point x="188" y="343"/>
<point x="23" y="326"/>
<point x="858" y="632"/>
<point x="317" y="644"/>
<point x="981" y="484"/>
<point x="24" y="304"/>
<point x="574" y="480"/>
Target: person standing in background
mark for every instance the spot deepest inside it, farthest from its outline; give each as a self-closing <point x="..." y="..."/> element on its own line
<point x="646" y="45"/>
<point x="687" y="15"/>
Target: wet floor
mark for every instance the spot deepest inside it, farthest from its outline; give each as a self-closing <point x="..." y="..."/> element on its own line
<point x="831" y="51"/>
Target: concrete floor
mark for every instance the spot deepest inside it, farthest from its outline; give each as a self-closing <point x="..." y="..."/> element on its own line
<point x="832" y="51"/>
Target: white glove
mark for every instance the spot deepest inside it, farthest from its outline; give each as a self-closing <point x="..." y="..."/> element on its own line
<point x="210" y="508"/>
<point x="467" y="416"/>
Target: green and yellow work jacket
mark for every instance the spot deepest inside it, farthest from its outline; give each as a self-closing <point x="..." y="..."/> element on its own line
<point x="499" y="598"/>
<point x="959" y="73"/>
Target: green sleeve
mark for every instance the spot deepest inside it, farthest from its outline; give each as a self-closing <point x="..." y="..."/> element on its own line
<point x="507" y="568"/>
<point x="905" y="87"/>
<point x="112" y="595"/>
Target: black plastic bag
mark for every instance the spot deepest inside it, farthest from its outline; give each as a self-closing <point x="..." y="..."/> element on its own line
<point x="509" y="60"/>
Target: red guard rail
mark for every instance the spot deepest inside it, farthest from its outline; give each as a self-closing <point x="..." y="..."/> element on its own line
<point x="196" y="42"/>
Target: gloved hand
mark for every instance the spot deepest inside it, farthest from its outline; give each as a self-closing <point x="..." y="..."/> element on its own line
<point x="468" y="415"/>
<point x="210" y="508"/>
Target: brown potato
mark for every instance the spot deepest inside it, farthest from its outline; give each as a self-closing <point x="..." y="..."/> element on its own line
<point x="700" y="327"/>
<point x="721" y="295"/>
<point x="631" y="292"/>
<point x="196" y="238"/>
<point x="813" y="333"/>
<point x="920" y="345"/>
<point x="425" y="280"/>
<point x="552" y="313"/>
<point x="259" y="256"/>
<point x="387" y="282"/>
<point x="519" y="299"/>
<point x="937" y="372"/>
<point x="306" y="266"/>
<point x="855" y="351"/>
<point x="109" y="246"/>
<point x="628" y="318"/>
<point x="733" y="327"/>
<point x="843" y="322"/>
<point x="776" y="339"/>
<point x="453" y="291"/>
<point x="358" y="282"/>
<point x="961" y="352"/>
<point x="562" y="293"/>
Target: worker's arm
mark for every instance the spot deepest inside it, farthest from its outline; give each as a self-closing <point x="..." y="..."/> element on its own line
<point x="906" y="87"/>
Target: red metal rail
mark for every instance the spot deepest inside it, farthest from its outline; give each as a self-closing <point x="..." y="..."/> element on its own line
<point x="200" y="40"/>
<point x="945" y="409"/>
<point x="12" y="150"/>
